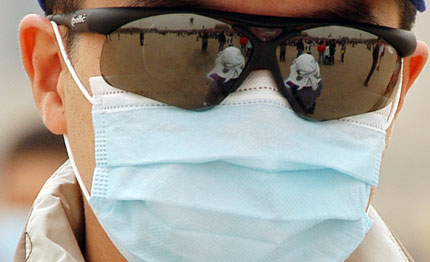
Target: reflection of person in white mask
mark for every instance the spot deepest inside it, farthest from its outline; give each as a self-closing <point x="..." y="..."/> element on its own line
<point x="305" y="82"/>
<point x="246" y="180"/>
<point x="228" y="66"/>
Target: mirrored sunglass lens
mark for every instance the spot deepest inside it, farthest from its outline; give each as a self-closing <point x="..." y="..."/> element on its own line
<point x="185" y="60"/>
<point x="336" y="71"/>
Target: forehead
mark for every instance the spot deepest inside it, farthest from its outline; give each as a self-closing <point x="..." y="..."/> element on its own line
<point x="384" y="12"/>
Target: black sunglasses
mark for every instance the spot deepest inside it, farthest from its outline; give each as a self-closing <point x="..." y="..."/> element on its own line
<point x="193" y="58"/>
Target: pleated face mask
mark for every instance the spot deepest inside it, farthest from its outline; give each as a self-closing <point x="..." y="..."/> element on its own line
<point x="247" y="180"/>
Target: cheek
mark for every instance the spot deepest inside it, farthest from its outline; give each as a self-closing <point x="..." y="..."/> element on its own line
<point x="78" y="110"/>
<point x="87" y="57"/>
<point x="80" y="131"/>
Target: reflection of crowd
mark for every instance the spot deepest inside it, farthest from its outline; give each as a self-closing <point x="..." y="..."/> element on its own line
<point x="327" y="51"/>
<point x="327" y="48"/>
<point x="227" y="39"/>
<point x="224" y="40"/>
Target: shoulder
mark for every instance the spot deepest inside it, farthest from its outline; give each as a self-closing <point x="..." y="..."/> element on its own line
<point x="380" y="244"/>
<point x="55" y="224"/>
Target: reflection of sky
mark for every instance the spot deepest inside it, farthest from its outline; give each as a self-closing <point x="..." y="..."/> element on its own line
<point x="182" y="22"/>
<point x="339" y="32"/>
<point x="175" y="22"/>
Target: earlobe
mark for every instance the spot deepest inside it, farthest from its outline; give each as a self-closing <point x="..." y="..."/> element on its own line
<point x="43" y="65"/>
<point x="413" y="67"/>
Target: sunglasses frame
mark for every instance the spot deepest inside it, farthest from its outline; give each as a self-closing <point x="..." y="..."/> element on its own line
<point x="106" y="20"/>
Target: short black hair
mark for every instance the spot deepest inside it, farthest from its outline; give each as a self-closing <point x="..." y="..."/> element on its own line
<point x="63" y="7"/>
<point x="408" y="14"/>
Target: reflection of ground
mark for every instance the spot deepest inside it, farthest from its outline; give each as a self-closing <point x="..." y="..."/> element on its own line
<point x="343" y="82"/>
<point x="173" y="66"/>
<point x="168" y="66"/>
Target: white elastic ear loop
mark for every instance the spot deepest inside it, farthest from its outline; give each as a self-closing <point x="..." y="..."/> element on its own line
<point x="396" y="101"/>
<point x="70" y="66"/>
<point x="75" y="168"/>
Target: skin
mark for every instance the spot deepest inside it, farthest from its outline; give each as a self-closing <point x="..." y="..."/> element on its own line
<point x="64" y="109"/>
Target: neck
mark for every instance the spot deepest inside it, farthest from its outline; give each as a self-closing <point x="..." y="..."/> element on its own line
<point x="99" y="247"/>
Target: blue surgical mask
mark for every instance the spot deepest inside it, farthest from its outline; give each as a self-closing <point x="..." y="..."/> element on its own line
<point x="245" y="181"/>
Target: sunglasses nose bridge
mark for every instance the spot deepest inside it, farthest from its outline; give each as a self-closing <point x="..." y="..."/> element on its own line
<point x="265" y="56"/>
<point x="266" y="34"/>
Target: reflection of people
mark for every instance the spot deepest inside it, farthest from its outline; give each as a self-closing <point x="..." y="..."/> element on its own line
<point x="243" y="43"/>
<point x="309" y="47"/>
<point x="300" y="47"/>
<point x="228" y="66"/>
<point x="327" y="54"/>
<point x="381" y="55"/>
<point x="332" y="51"/>
<point x="23" y="172"/>
<point x="305" y="82"/>
<point x="248" y="48"/>
<point x="390" y="87"/>
<point x="230" y="39"/>
<point x="142" y="38"/>
<point x="205" y="39"/>
<point x="283" y="51"/>
<point x="221" y="40"/>
<point x="375" y="58"/>
<point x="321" y="50"/>
<point x="343" y="51"/>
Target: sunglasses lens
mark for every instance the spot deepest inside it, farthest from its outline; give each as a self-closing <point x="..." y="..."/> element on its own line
<point x="336" y="71"/>
<point x="192" y="61"/>
<point x="175" y="59"/>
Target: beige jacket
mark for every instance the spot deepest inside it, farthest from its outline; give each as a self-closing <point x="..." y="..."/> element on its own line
<point x="55" y="228"/>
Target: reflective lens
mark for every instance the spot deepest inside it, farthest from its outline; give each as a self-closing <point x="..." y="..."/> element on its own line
<point x="336" y="71"/>
<point x="192" y="61"/>
<point x="184" y="60"/>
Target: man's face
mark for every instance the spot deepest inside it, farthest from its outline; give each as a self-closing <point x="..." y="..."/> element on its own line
<point x="86" y="58"/>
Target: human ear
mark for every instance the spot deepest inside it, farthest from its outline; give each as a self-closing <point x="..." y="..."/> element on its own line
<point x="413" y="66"/>
<point x="41" y="60"/>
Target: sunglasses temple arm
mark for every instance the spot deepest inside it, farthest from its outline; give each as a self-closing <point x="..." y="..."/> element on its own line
<point x="76" y="23"/>
<point x="396" y="101"/>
